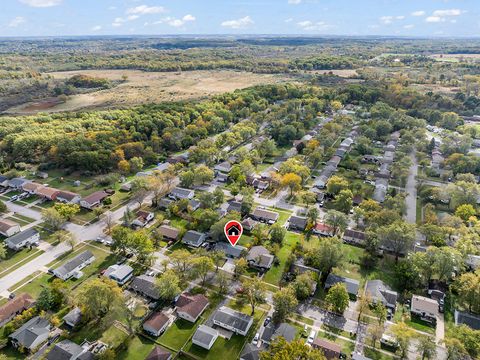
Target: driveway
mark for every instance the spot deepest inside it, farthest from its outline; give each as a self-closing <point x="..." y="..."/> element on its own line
<point x="411" y="190"/>
<point x="321" y="316"/>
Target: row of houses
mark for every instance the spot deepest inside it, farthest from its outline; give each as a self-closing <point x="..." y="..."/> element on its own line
<point x="383" y="174"/>
<point x="332" y="165"/>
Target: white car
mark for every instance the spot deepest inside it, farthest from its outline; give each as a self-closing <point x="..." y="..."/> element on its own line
<point x="255" y="339"/>
<point x="311" y="337"/>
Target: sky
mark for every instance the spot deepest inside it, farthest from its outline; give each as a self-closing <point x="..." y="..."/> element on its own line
<point x="309" y="17"/>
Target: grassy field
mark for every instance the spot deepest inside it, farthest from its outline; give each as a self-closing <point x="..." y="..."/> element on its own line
<point x="274" y="275"/>
<point x="138" y="349"/>
<point x="149" y="87"/>
<point x="17" y="259"/>
<point x="177" y="334"/>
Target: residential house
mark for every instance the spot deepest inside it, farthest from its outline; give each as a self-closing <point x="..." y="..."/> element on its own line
<point x="250" y="352"/>
<point x="260" y="184"/>
<point x="156" y="324"/>
<point x="68" y="197"/>
<point x="41" y="175"/>
<point x="119" y="273"/>
<point x="328" y="348"/>
<point x="3" y="181"/>
<point x="158" y="353"/>
<point x="297" y="223"/>
<point x="194" y="204"/>
<point x="31" y="334"/>
<point x="48" y="193"/>
<point x="232" y="320"/>
<point x="466" y="318"/>
<point x="8" y="227"/>
<point x="31" y="187"/>
<point x="259" y="257"/>
<point x="190" y="307"/>
<point x="17" y="183"/>
<point x="298" y="267"/>
<point x="425" y="308"/>
<point x="323" y="230"/>
<point x="264" y="215"/>
<point x="164" y="203"/>
<point x="354" y="237"/>
<point x="143" y="218"/>
<point x="234" y="206"/>
<point x="179" y="193"/>
<point x="272" y="331"/>
<point x="223" y="167"/>
<point x="249" y="224"/>
<point x="351" y="285"/>
<point x="145" y="286"/>
<point x="15" y="307"/>
<point x="358" y="356"/>
<point x="221" y="177"/>
<point x="73" y="317"/>
<point x="74" y="266"/>
<point x="372" y="159"/>
<point x="127" y="187"/>
<point x="181" y="158"/>
<point x="472" y="262"/>
<point x="380" y="292"/>
<point x="194" y="238"/>
<point x="341" y="152"/>
<point x="23" y="239"/>
<point x="233" y="252"/>
<point x="169" y="232"/>
<point x="380" y="192"/>
<point x="68" y="350"/>
<point x="334" y="161"/>
<point x="93" y="200"/>
<point x="205" y="337"/>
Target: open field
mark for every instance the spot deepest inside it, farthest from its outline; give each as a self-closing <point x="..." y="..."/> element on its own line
<point x="148" y="87"/>
<point x="345" y="73"/>
<point x="455" y="57"/>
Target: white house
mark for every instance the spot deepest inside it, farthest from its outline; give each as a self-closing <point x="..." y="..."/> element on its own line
<point x="67" y="270"/>
<point x="156" y="324"/>
<point x="205" y="337"/>
<point x="119" y="273"/>
<point x="23" y="239"/>
<point x="8" y="227"/>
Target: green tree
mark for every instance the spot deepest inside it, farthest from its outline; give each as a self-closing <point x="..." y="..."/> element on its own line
<point x="254" y="292"/>
<point x="168" y="285"/>
<point x="182" y="262"/>
<point x="67" y="211"/>
<point x="3" y="207"/>
<point x="291" y="181"/>
<point x="223" y="282"/>
<point x="344" y="201"/>
<point x="468" y="288"/>
<point x="284" y="302"/>
<point x="336" y="184"/>
<point x="303" y="285"/>
<point x="53" y="218"/>
<point x="403" y="334"/>
<point x="465" y="212"/>
<point x="426" y="347"/>
<point x="187" y="178"/>
<point x="98" y="296"/>
<point x="280" y="349"/>
<point x="327" y="255"/>
<point x="337" y="220"/>
<point x="203" y="174"/>
<point x="277" y="233"/>
<point x="337" y="298"/>
<point x="202" y="265"/>
<point x="240" y="267"/>
<point x="136" y="164"/>
<point x="398" y="237"/>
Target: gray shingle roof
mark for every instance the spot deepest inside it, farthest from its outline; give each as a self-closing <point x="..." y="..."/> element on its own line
<point x="74" y="316"/>
<point x="145" y="285"/>
<point x="67" y="350"/>
<point x="30" y="331"/>
<point x="193" y="238"/>
<point x="381" y="292"/>
<point x="351" y="284"/>
<point x="204" y="335"/>
<point x="471" y="320"/>
<point x="74" y="263"/>
<point x="22" y="236"/>
<point x="233" y="318"/>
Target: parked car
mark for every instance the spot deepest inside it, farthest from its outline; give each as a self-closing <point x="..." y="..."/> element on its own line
<point x="14" y="198"/>
<point x="255" y="339"/>
<point x="11" y="296"/>
<point x="267" y="321"/>
<point x="311" y="337"/>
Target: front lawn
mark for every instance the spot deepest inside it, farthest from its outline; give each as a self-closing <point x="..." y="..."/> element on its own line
<point x="15" y="259"/>
<point x="177" y="334"/>
<point x="274" y="275"/>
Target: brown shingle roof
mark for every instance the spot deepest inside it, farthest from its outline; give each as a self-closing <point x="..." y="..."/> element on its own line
<point x="16" y="305"/>
<point x="6" y="225"/>
<point x="95" y="197"/>
<point x="193" y="305"/>
<point x="157" y="321"/>
<point x="31" y="186"/>
<point x="67" y="195"/>
<point x="158" y="354"/>
<point x="330" y="347"/>
<point x="169" y="232"/>
<point x="47" y="192"/>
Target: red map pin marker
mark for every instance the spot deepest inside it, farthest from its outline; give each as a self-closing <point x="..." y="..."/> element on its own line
<point x="233" y="230"/>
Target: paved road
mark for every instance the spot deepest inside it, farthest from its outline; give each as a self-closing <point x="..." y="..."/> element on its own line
<point x="33" y="214"/>
<point x="411" y="190"/>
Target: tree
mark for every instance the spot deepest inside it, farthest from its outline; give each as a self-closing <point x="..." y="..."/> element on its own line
<point x="403" y="334"/>
<point x="53" y="218"/>
<point x="465" y="212"/>
<point x="223" y="282"/>
<point x="254" y="291"/>
<point x="468" y="288"/>
<point x="284" y="302"/>
<point x="303" y="285"/>
<point x="337" y="298"/>
<point x="67" y="211"/>
<point x="3" y="251"/>
<point x="98" y="296"/>
<point x="187" y="178"/>
<point x="109" y="221"/>
<point x="136" y="164"/>
<point x="139" y="189"/>
<point x="280" y="349"/>
<point x="291" y="181"/>
<point x="337" y="220"/>
<point x="108" y="354"/>
<point x="455" y="349"/>
<point x="277" y="233"/>
<point x="363" y="304"/>
<point x="380" y="311"/>
<point x="3" y="207"/>
<point x="260" y="234"/>
<point x="202" y="265"/>
<point x="168" y="285"/>
<point x="398" y="237"/>
<point x="326" y="255"/>
<point x="203" y="174"/>
<point x="427" y="347"/>
<point x="344" y="201"/>
<point x="336" y="184"/>
<point x="375" y="331"/>
<point x="182" y="262"/>
<point x="240" y="267"/>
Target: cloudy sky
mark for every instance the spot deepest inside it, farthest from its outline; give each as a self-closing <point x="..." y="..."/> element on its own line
<point x="313" y="17"/>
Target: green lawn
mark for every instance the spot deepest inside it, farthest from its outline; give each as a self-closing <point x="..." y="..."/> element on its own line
<point x="114" y="336"/>
<point x="177" y="334"/>
<point x="138" y="349"/>
<point x="274" y="275"/>
<point x="35" y="286"/>
<point x="347" y="346"/>
<point x="16" y="259"/>
<point x="376" y="355"/>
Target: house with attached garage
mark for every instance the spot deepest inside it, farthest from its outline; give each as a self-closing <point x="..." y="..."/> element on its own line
<point x="31" y="334"/>
<point x="354" y="237"/>
<point x="181" y="193"/>
<point x="205" y="337"/>
<point x="23" y="239"/>
<point x="251" y="352"/>
<point x="223" y="167"/>
<point x="119" y="273"/>
<point x="194" y="238"/>
<point x="297" y="223"/>
<point x="323" y="230"/>
<point x="233" y="252"/>
<point x="259" y="257"/>
<point x="93" y="200"/>
<point x="68" y="197"/>
<point x="266" y="216"/>
<point x="190" y="307"/>
<point x="143" y="218"/>
<point x="330" y="349"/>
<point x="145" y="286"/>
<point x="73" y="317"/>
<point x="380" y="292"/>
<point x="17" y="183"/>
<point x="15" y="307"/>
<point x="8" y="227"/>
<point x="351" y="285"/>
<point x="48" y="193"/>
<point x="68" y="350"/>
<point x="425" y="308"/>
<point x="272" y="331"/>
<point x="156" y="324"/>
<point x="232" y="320"/>
<point x="31" y="187"/>
<point x="74" y="266"/>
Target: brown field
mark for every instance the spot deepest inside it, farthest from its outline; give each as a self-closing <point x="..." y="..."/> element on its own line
<point x="149" y="87"/>
<point x="455" y="57"/>
<point x="435" y="88"/>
